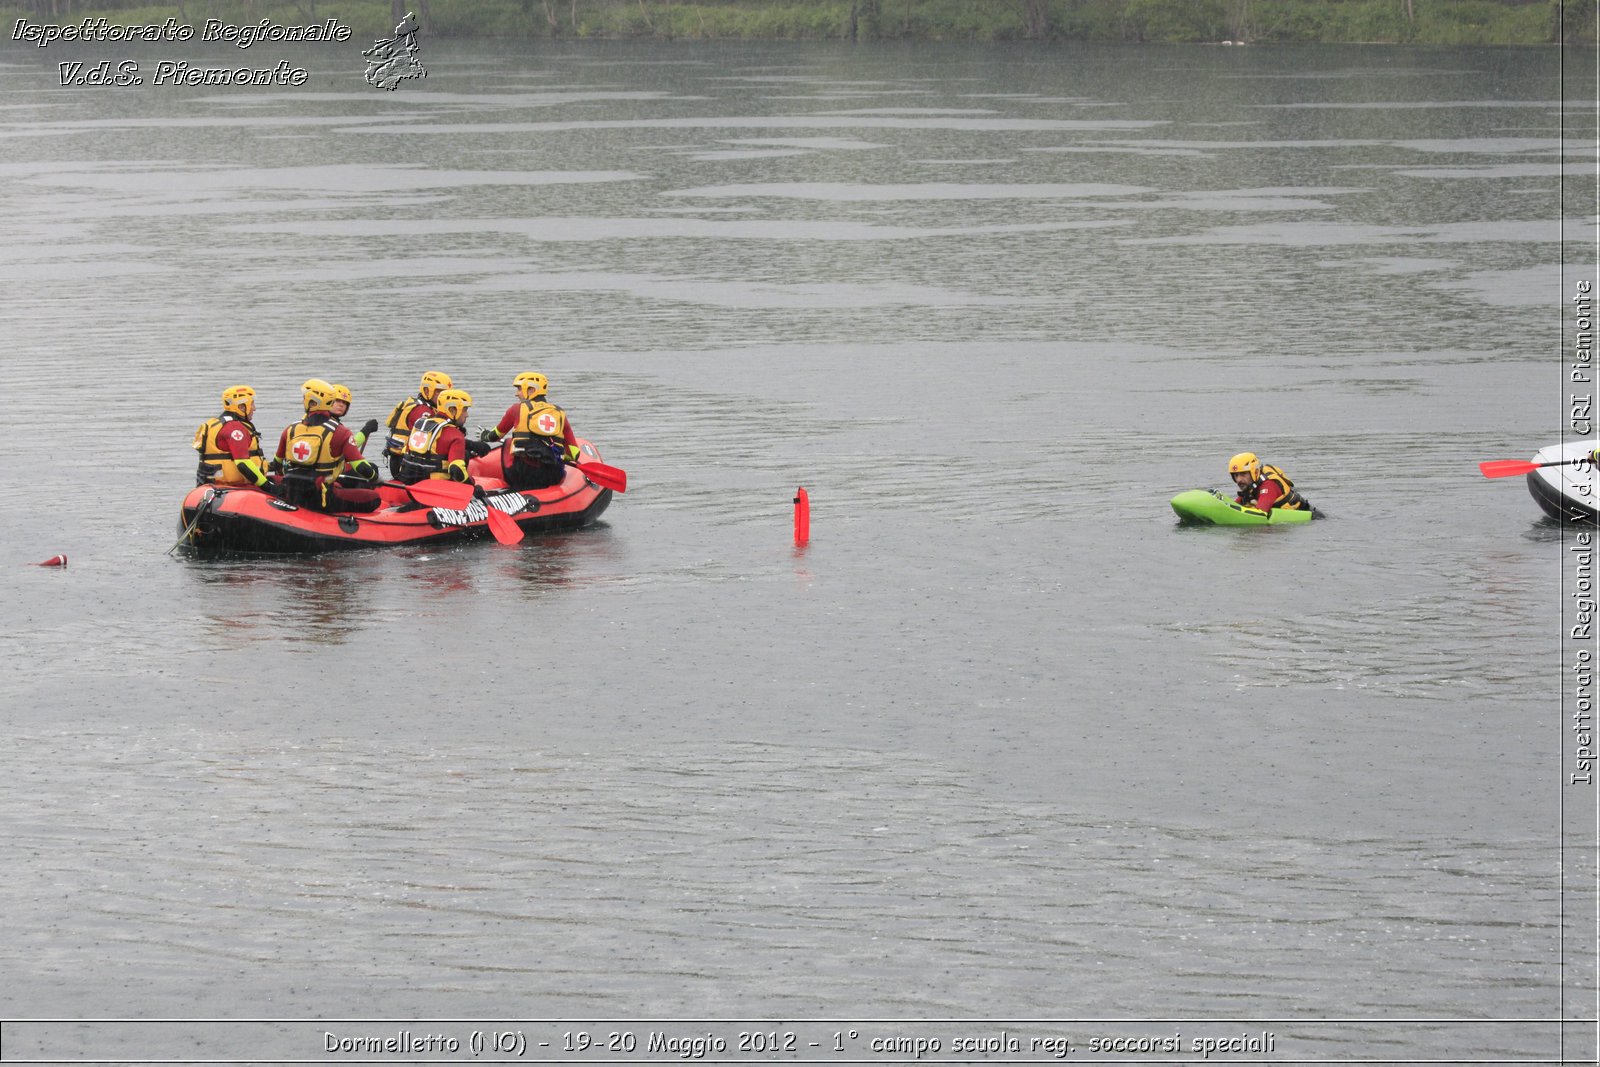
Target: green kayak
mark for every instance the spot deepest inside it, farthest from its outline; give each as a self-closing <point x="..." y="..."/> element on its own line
<point x="1210" y="507"/>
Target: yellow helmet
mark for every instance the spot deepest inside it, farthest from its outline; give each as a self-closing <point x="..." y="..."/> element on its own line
<point x="318" y="395"/>
<point x="342" y="392"/>
<point x="453" y="404"/>
<point x="530" y="385"/>
<point x="1245" y="461"/>
<point x="432" y="382"/>
<point x="239" y="400"/>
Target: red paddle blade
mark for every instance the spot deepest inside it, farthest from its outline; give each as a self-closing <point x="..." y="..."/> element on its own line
<point x="504" y="527"/>
<point x="1505" y="468"/>
<point x="438" y="493"/>
<point x="606" y="476"/>
<point x="392" y="495"/>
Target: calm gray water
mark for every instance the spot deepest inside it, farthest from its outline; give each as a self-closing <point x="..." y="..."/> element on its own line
<point x="1003" y="742"/>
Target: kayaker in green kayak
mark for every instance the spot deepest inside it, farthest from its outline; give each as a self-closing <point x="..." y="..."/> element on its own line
<point x="1264" y="486"/>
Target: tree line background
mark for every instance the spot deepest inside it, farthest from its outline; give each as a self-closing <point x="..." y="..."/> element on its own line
<point x="1427" y="22"/>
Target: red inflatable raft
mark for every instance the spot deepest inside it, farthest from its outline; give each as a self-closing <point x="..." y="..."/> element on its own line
<point x="221" y="519"/>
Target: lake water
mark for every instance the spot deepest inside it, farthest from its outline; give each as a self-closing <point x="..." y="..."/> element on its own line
<point x="1002" y="743"/>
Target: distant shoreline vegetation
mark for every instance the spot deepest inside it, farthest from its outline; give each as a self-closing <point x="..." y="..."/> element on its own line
<point x="1456" y="23"/>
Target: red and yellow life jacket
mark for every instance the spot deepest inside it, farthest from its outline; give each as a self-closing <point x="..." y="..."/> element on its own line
<point x="422" y="457"/>
<point x="399" y="425"/>
<point x="309" y="450"/>
<point x="1288" y="499"/>
<point x="539" y="422"/>
<point x="217" y="465"/>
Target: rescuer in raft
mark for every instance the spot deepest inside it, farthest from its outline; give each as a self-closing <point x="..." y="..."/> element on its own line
<point x="408" y="412"/>
<point x="1263" y="486"/>
<point x="542" y="439"/>
<point x="437" y="447"/>
<point x="313" y="453"/>
<point x="342" y="399"/>
<point x="229" y="445"/>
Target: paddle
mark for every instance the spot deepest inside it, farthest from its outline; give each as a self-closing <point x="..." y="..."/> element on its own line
<point x="605" y="476"/>
<point x="438" y="493"/>
<point x="1506" y="468"/>
<point x="503" y="526"/>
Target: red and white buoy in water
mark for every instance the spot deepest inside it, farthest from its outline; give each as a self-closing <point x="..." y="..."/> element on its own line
<point x="802" y="516"/>
<point x="54" y="561"/>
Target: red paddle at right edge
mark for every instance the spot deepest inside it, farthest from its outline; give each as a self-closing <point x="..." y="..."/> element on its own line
<point x="605" y="476"/>
<point x="1505" y="468"/>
